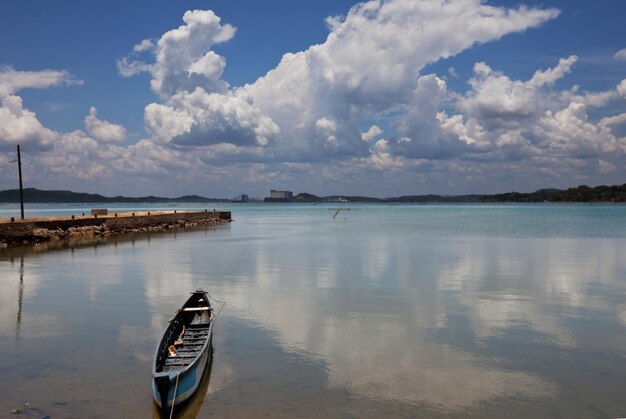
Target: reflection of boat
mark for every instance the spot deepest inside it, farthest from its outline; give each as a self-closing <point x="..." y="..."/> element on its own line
<point x="182" y="354"/>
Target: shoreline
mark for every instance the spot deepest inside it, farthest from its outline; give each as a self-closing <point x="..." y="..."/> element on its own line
<point x="35" y="230"/>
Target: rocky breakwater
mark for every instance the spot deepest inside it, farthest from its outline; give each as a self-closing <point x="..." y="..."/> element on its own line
<point x="38" y="230"/>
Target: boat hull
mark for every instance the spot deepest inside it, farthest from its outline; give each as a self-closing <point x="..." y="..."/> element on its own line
<point x="188" y="383"/>
<point x="181" y="356"/>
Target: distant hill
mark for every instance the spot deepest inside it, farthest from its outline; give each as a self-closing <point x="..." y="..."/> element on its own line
<point x="306" y="197"/>
<point x="32" y="195"/>
<point x="581" y="193"/>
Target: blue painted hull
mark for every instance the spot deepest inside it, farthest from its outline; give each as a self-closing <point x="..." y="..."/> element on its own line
<point x="187" y="383"/>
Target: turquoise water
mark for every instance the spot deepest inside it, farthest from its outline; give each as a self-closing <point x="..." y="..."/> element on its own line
<point x="377" y="311"/>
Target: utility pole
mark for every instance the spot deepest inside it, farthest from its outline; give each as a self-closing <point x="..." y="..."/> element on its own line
<point x="19" y="169"/>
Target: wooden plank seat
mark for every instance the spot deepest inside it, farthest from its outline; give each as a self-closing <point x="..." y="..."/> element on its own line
<point x="179" y="363"/>
<point x="190" y="346"/>
<point x="187" y="353"/>
<point x="173" y="367"/>
<point x="199" y="326"/>
<point x="196" y="337"/>
<point x="180" y="358"/>
<point x="197" y="340"/>
<point x="197" y="309"/>
<point x="189" y="349"/>
<point x="196" y="334"/>
<point x="196" y="330"/>
<point x="192" y="341"/>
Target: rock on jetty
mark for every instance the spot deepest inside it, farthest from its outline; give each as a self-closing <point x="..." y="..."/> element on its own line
<point x="38" y="230"/>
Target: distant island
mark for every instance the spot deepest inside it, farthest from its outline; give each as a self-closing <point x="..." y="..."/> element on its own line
<point x="581" y="193"/>
<point x="32" y="195"/>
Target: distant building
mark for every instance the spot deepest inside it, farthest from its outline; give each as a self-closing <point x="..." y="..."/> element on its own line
<point x="337" y="199"/>
<point x="241" y="198"/>
<point x="281" y="194"/>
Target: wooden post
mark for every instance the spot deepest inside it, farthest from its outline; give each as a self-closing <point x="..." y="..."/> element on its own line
<point x="19" y="169"/>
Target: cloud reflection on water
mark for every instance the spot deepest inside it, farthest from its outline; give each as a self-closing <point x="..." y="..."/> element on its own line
<point x="369" y="311"/>
<point x="506" y="290"/>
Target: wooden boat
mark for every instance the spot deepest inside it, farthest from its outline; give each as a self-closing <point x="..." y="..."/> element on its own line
<point x="182" y="353"/>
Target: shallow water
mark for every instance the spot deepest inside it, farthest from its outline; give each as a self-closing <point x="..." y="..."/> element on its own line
<point x="383" y="311"/>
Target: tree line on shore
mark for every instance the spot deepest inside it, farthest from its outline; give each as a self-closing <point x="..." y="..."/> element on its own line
<point x="583" y="193"/>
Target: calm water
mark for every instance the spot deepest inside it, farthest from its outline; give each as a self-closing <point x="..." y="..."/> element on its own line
<point x="384" y="311"/>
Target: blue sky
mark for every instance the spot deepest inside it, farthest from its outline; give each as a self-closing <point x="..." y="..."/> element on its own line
<point x="381" y="98"/>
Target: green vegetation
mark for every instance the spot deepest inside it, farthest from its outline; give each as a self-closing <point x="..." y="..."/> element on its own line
<point x="306" y="197"/>
<point x="581" y="193"/>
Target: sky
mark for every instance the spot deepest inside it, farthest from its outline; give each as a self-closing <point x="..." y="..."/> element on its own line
<point x="380" y="98"/>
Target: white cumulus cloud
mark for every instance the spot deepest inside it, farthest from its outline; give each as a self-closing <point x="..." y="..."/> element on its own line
<point x="517" y="119"/>
<point x="570" y="132"/>
<point x="183" y="56"/>
<point x="500" y="101"/>
<point x="551" y="75"/>
<point x="614" y="120"/>
<point x="620" y="55"/>
<point x="103" y="130"/>
<point x="308" y="107"/>
<point x="621" y="89"/>
<point x="201" y="118"/>
<point x="145" y="45"/>
<point x="12" y="81"/>
<point x="371" y="133"/>
<point x="21" y="126"/>
<point x="18" y="125"/>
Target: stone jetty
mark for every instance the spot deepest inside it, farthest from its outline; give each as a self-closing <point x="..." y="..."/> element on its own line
<point x="101" y="223"/>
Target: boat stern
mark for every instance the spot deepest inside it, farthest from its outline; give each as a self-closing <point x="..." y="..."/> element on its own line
<point x="161" y="390"/>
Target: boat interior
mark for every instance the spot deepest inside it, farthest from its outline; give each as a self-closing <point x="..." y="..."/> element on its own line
<point x="185" y="337"/>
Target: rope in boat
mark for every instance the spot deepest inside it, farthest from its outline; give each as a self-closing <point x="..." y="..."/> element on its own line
<point x="174" y="399"/>
<point x="215" y="299"/>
